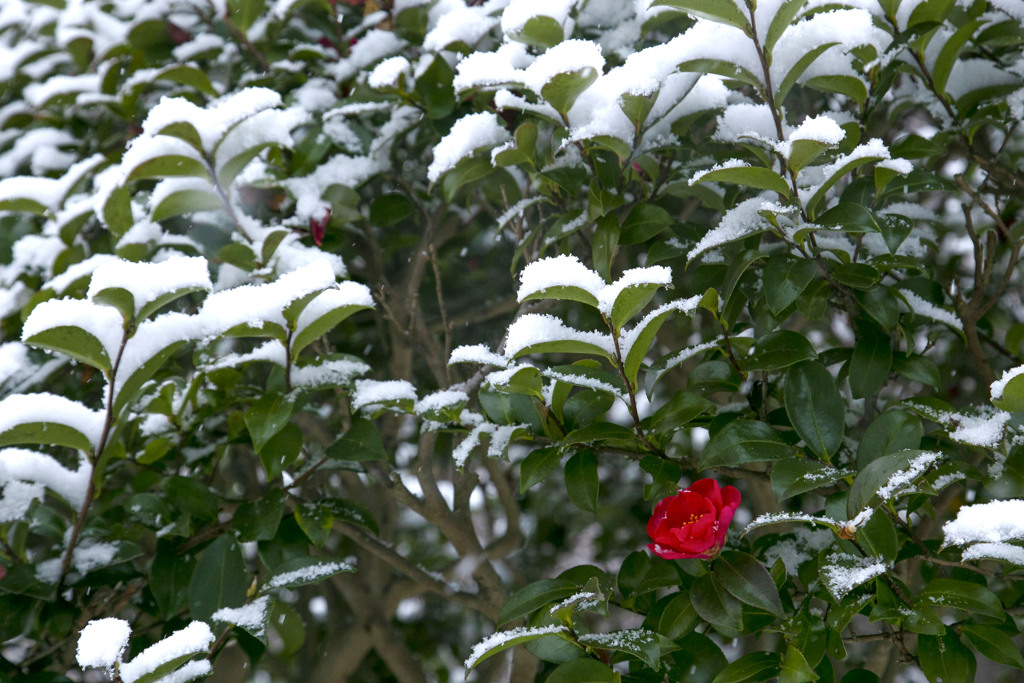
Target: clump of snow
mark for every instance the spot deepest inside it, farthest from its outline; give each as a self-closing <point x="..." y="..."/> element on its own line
<point x="996" y="522"/>
<point x="20" y="409"/>
<point x="87" y="557"/>
<point x="149" y="281"/>
<point x="483" y="69"/>
<point x="439" y="400"/>
<point x="21" y="465"/>
<point x="387" y="73"/>
<point x="565" y="270"/>
<point x="477" y="353"/>
<point x="728" y="163"/>
<point x="193" y="639"/>
<point x="900" y="482"/>
<point x="1006" y="552"/>
<point x="102" y="322"/>
<point x="984" y="429"/>
<point x="251" y="617"/>
<point x="210" y="122"/>
<point x="471" y="132"/>
<point x="465" y="25"/>
<point x="499" y="436"/>
<point x="102" y="643"/>
<point x="371" y="392"/>
<point x="531" y="329"/>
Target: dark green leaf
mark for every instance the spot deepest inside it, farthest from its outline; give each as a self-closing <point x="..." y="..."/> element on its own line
<point x="534" y="596"/>
<point x="785" y="278"/>
<point x="751" y="668"/>
<point x="716" y="606"/>
<point x="583" y="671"/>
<point x="779" y="349"/>
<point x="944" y="659"/>
<point x="993" y="643"/>
<point x="219" y="579"/>
<point x="794" y="476"/>
<point x="536" y="467"/>
<point x="722" y="11"/>
<point x="815" y="407"/>
<point x="743" y="441"/>
<point x="581" y="480"/>
<point x="302" y="571"/>
<point x="748" y="581"/>
<point x="361" y="443"/>
<point x="964" y="595"/>
<point x="266" y="417"/>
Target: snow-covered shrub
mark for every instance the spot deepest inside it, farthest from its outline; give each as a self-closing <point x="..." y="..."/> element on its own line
<point x="358" y="340"/>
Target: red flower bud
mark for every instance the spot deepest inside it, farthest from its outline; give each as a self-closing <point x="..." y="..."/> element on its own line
<point x="318" y="227"/>
<point x="694" y="522"/>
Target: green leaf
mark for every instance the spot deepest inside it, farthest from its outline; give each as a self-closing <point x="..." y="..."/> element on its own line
<point x="743" y="441"/>
<point x="756" y="177"/>
<point x="1012" y="397"/>
<point x="644" y="222"/>
<point x="281" y="450"/>
<point x="815" y="407"/>
<point x="536" y="467"/>
<point x="130" y="386"/>
<point x="219" y="579"/>
<point x="565" y="346"/>
<point x="894" y="228"/>
<point x="534" y="596"/>
<point x="186" y="201"/>
<point x="851" y="217"/>
<point x="680" y="410"/>
<point x="930" y="12"/>
<point x="564" y="87"/>
<point x="993" y="643"/>
<point x="795" y="668"/>
<point x="803" y="152"/>
<point x="74" y="342"/>
<point x="794" y="476"/>
<point x="169" y="166"/>
<point x="639" y="575"/>
<point x="583" y="671"/>
<point x="798" y="69"/>
<point x="678" y="617"/>
<point x="944" y="659"/>
<point x="963" y="595"/>
<point x="784" y="279"/>
<point x="46" y="431"/>
<point x="856" y="275"/>
<point x="581" y="480"/>
<point x="316" y="521"/>
<point x="169" y="577"/>
<point x="266" y="417"/>
<point x="721" y="11"/>
<point x="716" y="606"/>
<point x="851" y="86"/>
<point x="748" y="581"/>
<point x="258" y="520"/>
<point x="845" y="166"/>
<point x="540" y="31"/>
<point x="950" y="52"/>
<point x="890" y="432"/>
<point x="303" y="571"/>
<point x="642" y="337"/>
<point x="869" y="365"/>
<point x="778" y="350"/>
<point x="361" y="443"/>
<point x="783" y="19"/>
<point x="751" y="668"/>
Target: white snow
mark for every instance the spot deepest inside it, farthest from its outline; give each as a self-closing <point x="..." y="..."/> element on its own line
<point x="929" y="310"/>
<point x="465" y="25"/>
<point x="17" y="497"/>
<point x="102" y="643"/>
<point x="537" y="328"/>
<point x="187" y="672"/>
<point x="499" y="435"/>
<point x="996" y="522"/>
<point x="471" y="132"/>
<point x="19" y="464"/>
<point x="19" y="410"/>
<point x="439" y="400"/>
<point x="483" y="69"/>
<point x="344" y="294"/>
<point x="213" y="121"/>
<point x="477" y="353"/>
<point x="387" y="73"/>
<point x="685" y="306"/>
<point x="328" y="373"/>
<point x="149" y="281"/>
<point x="193" y="639"/>
<point x="984" y="429"/>
<point x="1006" y="552"/>
<point x="252" y="617"/>
<point x="565" y="270"/>
<point x="371" y="392"/>
<point x="842" y="572"/>
<point x="87" y="557"/>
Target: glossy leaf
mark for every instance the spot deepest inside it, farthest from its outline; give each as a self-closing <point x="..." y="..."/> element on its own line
<point x="748" y="581"/>
<point x="743" y="441"/>
<point x="581" y="480"/>
<point x="815" y="407"/>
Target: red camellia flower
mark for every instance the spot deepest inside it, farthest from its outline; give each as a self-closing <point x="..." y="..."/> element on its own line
<point x="694" y="522"/>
